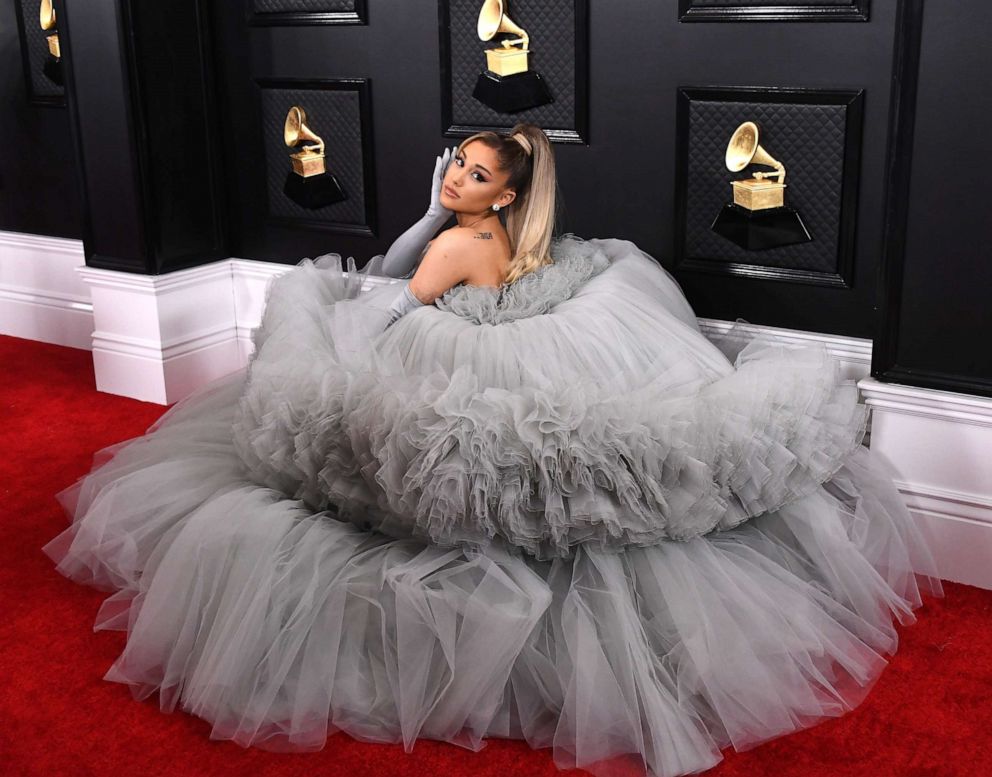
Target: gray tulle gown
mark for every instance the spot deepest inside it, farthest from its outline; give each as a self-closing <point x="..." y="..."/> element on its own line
<point x="554" y="511"/>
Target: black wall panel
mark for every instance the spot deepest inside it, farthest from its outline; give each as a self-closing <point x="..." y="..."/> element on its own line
<point x="935" y="323"/>
<point x="39" y="191"/>
<point x="622" y="183"/>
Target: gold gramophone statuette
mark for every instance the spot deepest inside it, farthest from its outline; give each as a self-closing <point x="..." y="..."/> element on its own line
<point x="757" y="219"/>
<point x="508" y="85"/>
<point x="308" y="184"/>
<point x="309" y="160"/>
<point x="506" y="59"/>
<point x="757" y="192"/>
<point x="46" y="16"/>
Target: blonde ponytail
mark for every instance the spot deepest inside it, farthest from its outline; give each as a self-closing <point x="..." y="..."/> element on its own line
<point x="527" y="155"/>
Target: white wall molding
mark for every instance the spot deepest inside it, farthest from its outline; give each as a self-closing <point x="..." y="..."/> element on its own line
<point x="939" y="444"/>
<point x="249" y="281"/>
<point x="928" y="403"/>
<point x="41" y="297"/>
<point x="157" y="338"/>
<point x="853" y="353"/>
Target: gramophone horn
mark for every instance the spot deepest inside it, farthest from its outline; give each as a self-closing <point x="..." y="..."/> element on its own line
<point x="493" y="20"/>
<point x="46" y="15"/>
<point x="744" y="149"/>
<point x="295" y="129"/>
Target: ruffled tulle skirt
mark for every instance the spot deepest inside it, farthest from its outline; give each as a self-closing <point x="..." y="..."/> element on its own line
<point x="261" y="600"/>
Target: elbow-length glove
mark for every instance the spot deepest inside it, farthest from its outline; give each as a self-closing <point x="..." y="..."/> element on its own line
<point x="405" y="301"/>
<point x="356" y="322"/>
<point x="403" y="256"/>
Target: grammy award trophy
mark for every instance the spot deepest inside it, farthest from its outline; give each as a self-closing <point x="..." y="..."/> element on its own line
<point x="53" y="60"/>
<point x="308" y="184"/>
<point x="507" y="86"/>
<point x="758" y="218"/>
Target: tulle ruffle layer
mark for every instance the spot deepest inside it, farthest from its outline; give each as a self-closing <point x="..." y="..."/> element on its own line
<point x="281" y="626"/>
<point x="276" y="543"/>
<point x="587" y="424"/>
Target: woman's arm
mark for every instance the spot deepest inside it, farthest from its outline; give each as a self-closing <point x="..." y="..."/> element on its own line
<point x="445" y="265"/>
<point x="404" y="253"/>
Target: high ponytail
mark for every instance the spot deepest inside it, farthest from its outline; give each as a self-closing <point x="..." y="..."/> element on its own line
<point x="526" y="154"/>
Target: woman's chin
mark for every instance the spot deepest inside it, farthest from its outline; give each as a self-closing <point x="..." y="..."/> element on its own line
<point x="451" y="203"/>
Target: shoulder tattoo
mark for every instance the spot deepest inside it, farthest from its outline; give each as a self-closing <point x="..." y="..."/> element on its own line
<point x="484" y="235"/>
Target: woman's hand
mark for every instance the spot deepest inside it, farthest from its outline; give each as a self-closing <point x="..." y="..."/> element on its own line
<point x="436" y="209"/>
<point x="407" y="250"/>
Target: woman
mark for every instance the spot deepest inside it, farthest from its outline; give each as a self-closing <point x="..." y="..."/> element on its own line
<point x="488" y="173"/>
<point x="543" y="507"/>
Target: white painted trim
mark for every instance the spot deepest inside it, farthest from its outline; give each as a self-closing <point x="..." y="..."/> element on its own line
<point x="250" y="280"/>
<point x="854" y="353"/>
<point x="929" y="403"/>
<point x="948" y="503"/>
<point x="159" y="337"/>
<point x="155" y="285"/>
<point x="940" y="444"/>
<point x="41" y="298"/>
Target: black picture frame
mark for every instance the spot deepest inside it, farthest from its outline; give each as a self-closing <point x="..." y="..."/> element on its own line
<point x="578" y="133"/>
<point x="363" y="87"/>
<point x="850" y="172"/>
<point x="359" y="15"/>
<point x="748" y="11"/>
<point x="32" y="96"/>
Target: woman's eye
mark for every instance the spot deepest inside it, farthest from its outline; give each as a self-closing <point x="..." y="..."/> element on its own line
<point x="461" y="163"/>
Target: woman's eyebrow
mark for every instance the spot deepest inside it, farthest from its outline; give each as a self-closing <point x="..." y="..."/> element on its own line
<point x="474" y="163"/>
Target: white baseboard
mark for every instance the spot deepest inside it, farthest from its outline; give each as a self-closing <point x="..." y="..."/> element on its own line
<point x="41" y="297"/>
<point x="853" y="353"/>
<point x="940" y="444"/>
<point x="157" y="338"/>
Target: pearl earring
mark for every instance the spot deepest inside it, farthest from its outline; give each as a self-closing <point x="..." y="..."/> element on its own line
<point x="495" y="206"/>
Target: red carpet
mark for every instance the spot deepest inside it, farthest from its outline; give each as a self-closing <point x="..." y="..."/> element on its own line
<point x="929" y="715"/>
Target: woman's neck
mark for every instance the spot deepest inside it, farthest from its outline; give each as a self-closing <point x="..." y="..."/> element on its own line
<point x="486" y="220"/>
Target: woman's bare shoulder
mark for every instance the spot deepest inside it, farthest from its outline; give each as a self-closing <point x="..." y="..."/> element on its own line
<point x="486" y="252"/>
<point x="466" y="236"/>
<point x="453" y="243"/>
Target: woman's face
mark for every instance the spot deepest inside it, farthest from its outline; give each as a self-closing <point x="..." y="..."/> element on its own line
<point x="473" y="181"/>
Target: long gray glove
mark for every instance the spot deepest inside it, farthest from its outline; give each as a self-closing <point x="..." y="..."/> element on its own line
<point x="407" y="250"/>
<point x="405" y="301"/>
<point x="356" y="321"/>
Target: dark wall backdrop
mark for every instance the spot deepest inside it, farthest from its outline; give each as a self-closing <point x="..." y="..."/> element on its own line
<point x="620" y="185"/>
<point x="929" y="289"/>
<point x="39" y="192"/>
<point x="936" y="327"/>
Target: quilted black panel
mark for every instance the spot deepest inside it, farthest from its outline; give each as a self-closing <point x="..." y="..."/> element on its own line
<point x="765" y="3"/>
<point x="807" y="138"/>
<point x="334" y="115"/>
<point x="33" y="39"/>
<point x="302" y="6"/>
<point x="551" y="27"/>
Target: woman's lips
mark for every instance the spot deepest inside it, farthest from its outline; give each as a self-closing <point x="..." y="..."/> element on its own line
<point x="450" y="192"/>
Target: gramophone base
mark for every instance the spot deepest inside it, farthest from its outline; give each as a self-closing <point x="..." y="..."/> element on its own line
<point x="513" y="93"/>
<point x="317" y="191"/>
<point x="53" y="70"/>
<point x="757" y="230"/>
